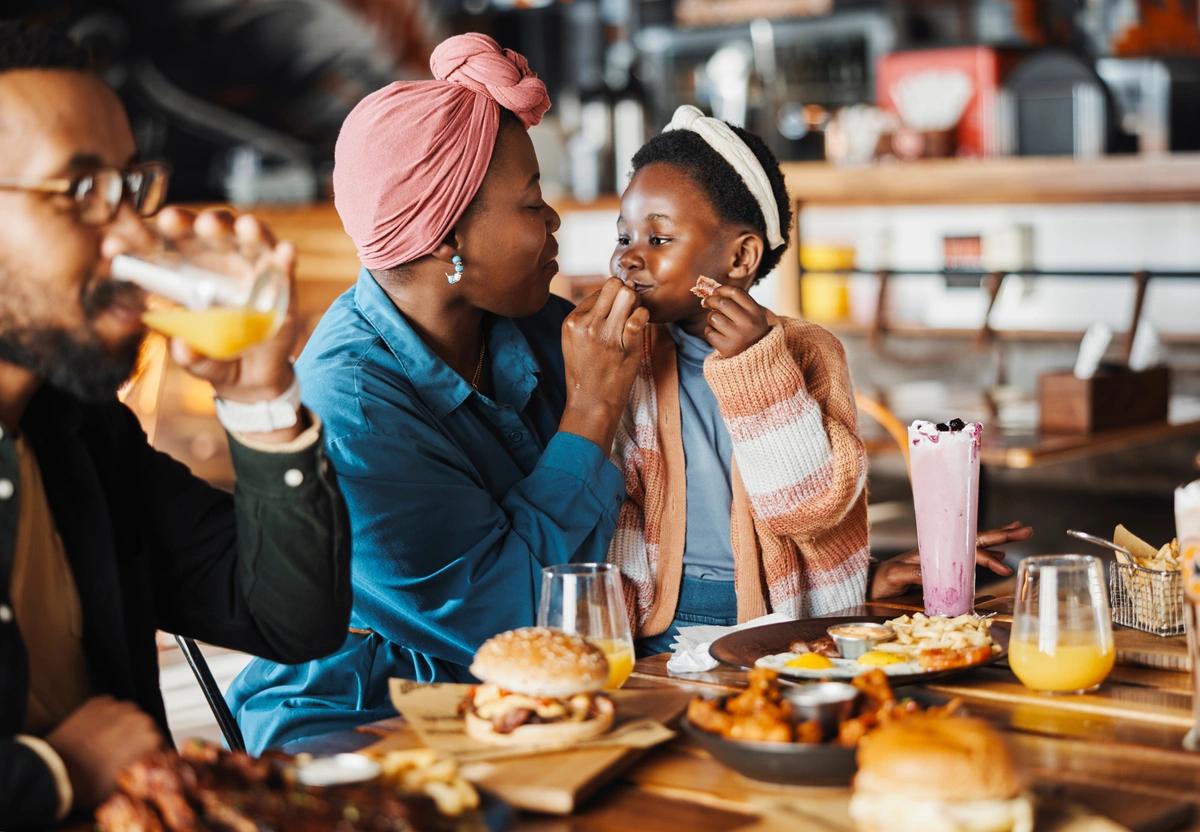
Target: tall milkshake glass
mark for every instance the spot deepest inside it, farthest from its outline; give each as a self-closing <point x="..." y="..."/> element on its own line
<point x="944" y="464"/>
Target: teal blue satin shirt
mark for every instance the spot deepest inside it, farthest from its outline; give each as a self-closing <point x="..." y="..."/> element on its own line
<point x="456" y="502"/>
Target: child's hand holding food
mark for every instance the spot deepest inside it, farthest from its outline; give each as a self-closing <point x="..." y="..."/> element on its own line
<point x="736" y="321"/>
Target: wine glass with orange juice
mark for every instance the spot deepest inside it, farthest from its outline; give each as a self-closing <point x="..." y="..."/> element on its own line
<point x="586" y="599"/>
<point x="217" y="300"/>
<point x="1062" y="639"/>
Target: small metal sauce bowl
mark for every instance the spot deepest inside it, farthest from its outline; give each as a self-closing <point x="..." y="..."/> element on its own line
<point x="829" y="703"/>
<point x="851" y="647"/>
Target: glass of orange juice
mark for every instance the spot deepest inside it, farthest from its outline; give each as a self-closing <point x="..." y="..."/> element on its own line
<point x="1062" y="639"/>
<point x="586" y="599"/>
<point x="218" y="300"/>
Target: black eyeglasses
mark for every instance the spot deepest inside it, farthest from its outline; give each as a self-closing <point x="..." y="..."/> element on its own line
<point x="98" y="194"/>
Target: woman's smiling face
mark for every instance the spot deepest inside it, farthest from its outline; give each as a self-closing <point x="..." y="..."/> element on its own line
<point x="507" y="235"/>
<point x="668" y="235"/>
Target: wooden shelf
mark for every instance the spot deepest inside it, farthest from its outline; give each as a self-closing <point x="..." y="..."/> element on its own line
<point x="850" y="329"/>
<point x="1168" y="178"/>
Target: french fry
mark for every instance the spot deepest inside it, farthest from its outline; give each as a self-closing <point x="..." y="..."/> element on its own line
<point x="425" y="771"/>
<point x="1163" y="559"/>
<point x="1148" y="592"/>
<point x="918" y="632"/>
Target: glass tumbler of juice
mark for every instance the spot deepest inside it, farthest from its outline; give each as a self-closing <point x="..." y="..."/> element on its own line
<point x="944" y="466"/>
<point x="1062" y="639"/>
<point x="586" y="599"/>
<point x="218" y="301"/>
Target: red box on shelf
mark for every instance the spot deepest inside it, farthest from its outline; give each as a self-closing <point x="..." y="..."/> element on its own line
<point x="978" y="131"/>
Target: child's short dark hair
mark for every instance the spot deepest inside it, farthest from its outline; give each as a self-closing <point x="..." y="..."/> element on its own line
<point x="725" y="189"/>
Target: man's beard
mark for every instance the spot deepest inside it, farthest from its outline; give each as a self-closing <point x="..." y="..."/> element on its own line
<point x="74" y="361"/>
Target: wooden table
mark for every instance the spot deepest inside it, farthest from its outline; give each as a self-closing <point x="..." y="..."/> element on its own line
<point x="1128" y="735"/>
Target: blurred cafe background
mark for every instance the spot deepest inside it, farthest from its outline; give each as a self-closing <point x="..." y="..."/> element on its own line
<point x="979" y="182"/>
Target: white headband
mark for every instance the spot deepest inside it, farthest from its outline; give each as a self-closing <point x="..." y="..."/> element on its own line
<point x="721" y="138"/>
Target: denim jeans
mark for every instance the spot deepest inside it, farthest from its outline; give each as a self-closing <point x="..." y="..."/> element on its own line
<point x="700" y="602"/>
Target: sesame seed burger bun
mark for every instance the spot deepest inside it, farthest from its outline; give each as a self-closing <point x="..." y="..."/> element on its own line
<point x="546" y="734"/>
<point x="927" y="773"/>
<point x="538" y="661"/>
<point x="938" y="758"/>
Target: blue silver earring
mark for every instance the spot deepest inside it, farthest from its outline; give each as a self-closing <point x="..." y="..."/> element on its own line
<point x="458" y="270"/>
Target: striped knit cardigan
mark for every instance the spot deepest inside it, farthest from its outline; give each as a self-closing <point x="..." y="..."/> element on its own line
<point x="798" y="525"/>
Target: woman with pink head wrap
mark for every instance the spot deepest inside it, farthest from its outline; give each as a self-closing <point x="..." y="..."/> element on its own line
<point x="469" y="413"/>
<point x="411" y="157"/>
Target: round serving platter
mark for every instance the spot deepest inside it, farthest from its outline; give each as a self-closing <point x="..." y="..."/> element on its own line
<point x="744" y="647"/>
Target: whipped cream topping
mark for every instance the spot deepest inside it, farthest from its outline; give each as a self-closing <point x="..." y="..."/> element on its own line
<point x="921" y="430"/>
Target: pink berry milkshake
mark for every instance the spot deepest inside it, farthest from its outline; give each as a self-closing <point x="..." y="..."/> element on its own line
<point x="944" y="463"/>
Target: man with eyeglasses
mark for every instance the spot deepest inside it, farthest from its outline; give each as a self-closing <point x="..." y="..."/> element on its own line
<point x="103" y="540"/>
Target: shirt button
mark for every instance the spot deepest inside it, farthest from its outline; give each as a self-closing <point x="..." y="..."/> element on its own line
<point x="516" y="436"/>
<point x="6" y="489"/>
<point x="5" y="613"/>
<point x="293" y="477"/>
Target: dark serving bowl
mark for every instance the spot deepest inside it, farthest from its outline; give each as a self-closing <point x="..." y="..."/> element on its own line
<point x="803" y="764"/>
<point x="796" y="764"/>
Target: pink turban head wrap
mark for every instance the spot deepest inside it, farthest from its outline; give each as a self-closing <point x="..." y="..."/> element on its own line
<point x="411" y="156"/>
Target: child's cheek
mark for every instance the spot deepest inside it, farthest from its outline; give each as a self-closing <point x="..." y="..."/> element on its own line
<point x="658" y="315"/>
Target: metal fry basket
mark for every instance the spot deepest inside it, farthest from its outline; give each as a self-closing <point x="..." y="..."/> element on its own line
<point x="1146" y="599"/>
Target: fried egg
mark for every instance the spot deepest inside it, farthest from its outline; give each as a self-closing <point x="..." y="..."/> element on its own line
<point x="810" y="661"/>
<point x="877" y="658"/>
<point x="796" y="665"/>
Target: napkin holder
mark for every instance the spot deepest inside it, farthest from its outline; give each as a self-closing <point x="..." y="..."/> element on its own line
<point x="1115" y="397"/>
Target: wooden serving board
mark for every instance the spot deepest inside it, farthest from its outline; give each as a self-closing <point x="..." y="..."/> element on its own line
<point x="1155" y="706"/>
<point x="557" y="782"/>
<point x="1134" y="647"/>
<point x="683" y="771"/>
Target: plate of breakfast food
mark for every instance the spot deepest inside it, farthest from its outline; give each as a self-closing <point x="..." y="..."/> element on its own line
<point x="907" y="648"/>
<point x="803" y="734"/>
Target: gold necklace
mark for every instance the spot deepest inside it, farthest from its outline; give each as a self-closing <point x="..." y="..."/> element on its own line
<point x="479" y="366"/>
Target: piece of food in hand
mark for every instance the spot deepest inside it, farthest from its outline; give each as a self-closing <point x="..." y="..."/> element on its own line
<point x="929" y="772"/>
<point x="540" y="687"/>
<point x="704" y="288"/>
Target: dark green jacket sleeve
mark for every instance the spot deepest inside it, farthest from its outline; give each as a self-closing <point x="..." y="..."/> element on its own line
<point x="28" y="793"/>
<point x="265" y="571"/>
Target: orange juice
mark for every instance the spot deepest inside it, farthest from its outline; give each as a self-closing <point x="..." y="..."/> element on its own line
<point x="1064" y="668"/>
<point x="620" y="660"/>
<point x="218" y="333"/>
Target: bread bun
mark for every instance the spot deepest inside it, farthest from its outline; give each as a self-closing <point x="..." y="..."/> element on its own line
<point x="538" y="661"/>
<point x="937" y="758"/>
<point x="544" y="734"/>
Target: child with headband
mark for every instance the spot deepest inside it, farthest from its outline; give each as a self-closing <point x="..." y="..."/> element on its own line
<point x="745" y="473"/>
